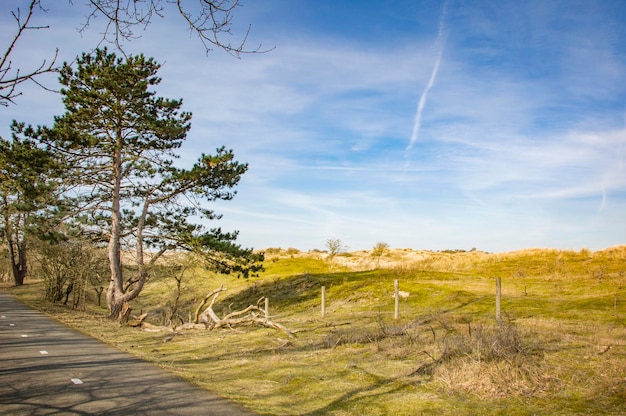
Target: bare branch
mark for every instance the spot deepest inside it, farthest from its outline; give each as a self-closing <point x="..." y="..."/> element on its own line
<point x="121" y="17"/>
<point x="10" y="78"/>
<point x="250" y="315"/>
<point x="209" y="20"/>
<point x="213" y="20"/>
<point x="212" y="295"/>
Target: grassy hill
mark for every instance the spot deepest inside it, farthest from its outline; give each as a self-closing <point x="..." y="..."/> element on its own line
<point x="560" y="347"/>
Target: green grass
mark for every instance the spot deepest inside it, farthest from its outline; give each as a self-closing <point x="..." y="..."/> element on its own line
<point x="561" y="348"/>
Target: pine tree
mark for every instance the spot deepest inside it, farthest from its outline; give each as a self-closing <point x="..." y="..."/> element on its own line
<point x="27" y="189"/>
<point x="119" y="141"/>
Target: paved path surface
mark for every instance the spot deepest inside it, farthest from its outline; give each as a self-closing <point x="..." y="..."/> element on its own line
<point x="49" y="369"/>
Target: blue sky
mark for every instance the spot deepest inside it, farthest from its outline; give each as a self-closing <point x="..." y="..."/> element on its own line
<point x="422" y="124"/>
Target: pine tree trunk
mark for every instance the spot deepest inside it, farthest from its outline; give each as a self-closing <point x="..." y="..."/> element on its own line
<point x="17" y="255"/>
<point x="115" y="293"/>
<point x="116" y="308"/>
<point x="18" y="276"/>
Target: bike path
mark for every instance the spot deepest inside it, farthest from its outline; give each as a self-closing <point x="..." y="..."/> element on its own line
<point x="48" y="369"/>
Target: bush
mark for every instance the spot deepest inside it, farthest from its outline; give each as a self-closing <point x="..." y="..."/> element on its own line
<point x="482" y="359"/>
<point x="68" y="268"/>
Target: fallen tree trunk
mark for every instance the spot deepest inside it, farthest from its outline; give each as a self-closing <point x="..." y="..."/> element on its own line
<point x="206" y="318"/>
<point x="138" y="320"/>
<point x="252" y="315"/>
<point x="213" y="296"/>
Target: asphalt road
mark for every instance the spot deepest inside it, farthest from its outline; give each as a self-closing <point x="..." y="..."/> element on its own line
<point x="49" y="369"/>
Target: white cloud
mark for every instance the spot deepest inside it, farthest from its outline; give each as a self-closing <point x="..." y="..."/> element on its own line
<point x="510" y="153"/>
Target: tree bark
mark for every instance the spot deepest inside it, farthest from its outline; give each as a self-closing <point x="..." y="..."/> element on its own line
<point x="116" y="306"/>
<point x="19" y="268"/>
<point x="115" y="293"/>
<point x="17" y="257"/>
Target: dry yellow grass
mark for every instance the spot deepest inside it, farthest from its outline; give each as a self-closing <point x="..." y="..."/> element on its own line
<point x="560" y="350"/>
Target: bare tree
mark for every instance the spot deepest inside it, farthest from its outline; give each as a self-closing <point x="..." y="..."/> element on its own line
<point x="11" y="77"/>
<point x="209" y="20"/>
<point x="335" y="246"/>
<point x="379" y="250"/>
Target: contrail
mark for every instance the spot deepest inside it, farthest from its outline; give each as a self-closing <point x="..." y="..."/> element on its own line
<point x="441" y="43"/>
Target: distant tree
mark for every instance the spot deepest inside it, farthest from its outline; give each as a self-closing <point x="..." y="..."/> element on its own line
<point x="209" y="20"/>
<point x="379" y="250"/>
<point x="27" y="189"/>
<point x="118" y="141"/>
<point x="335" y="246"/>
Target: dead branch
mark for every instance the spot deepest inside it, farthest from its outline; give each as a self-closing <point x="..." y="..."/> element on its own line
<point x="148" y="327"/>
<point x="214" y="294"/>
<point x="138" y="320"/>
<point x="206" y="318"/>
<point x="252" y="315"/>
<point x="232" y="315"/>
<point x="189" y="326"/>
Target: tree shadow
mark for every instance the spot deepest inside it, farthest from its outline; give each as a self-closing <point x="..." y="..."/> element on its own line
<point x="380" y="387"/>
<point x="298" y="288"/>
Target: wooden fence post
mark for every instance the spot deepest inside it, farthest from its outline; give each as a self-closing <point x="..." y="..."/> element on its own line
<point x="396" y="296"/>
<point x="323" y="301"/>
<point x="498" y="298"/>
<point x="267" y="307"/>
